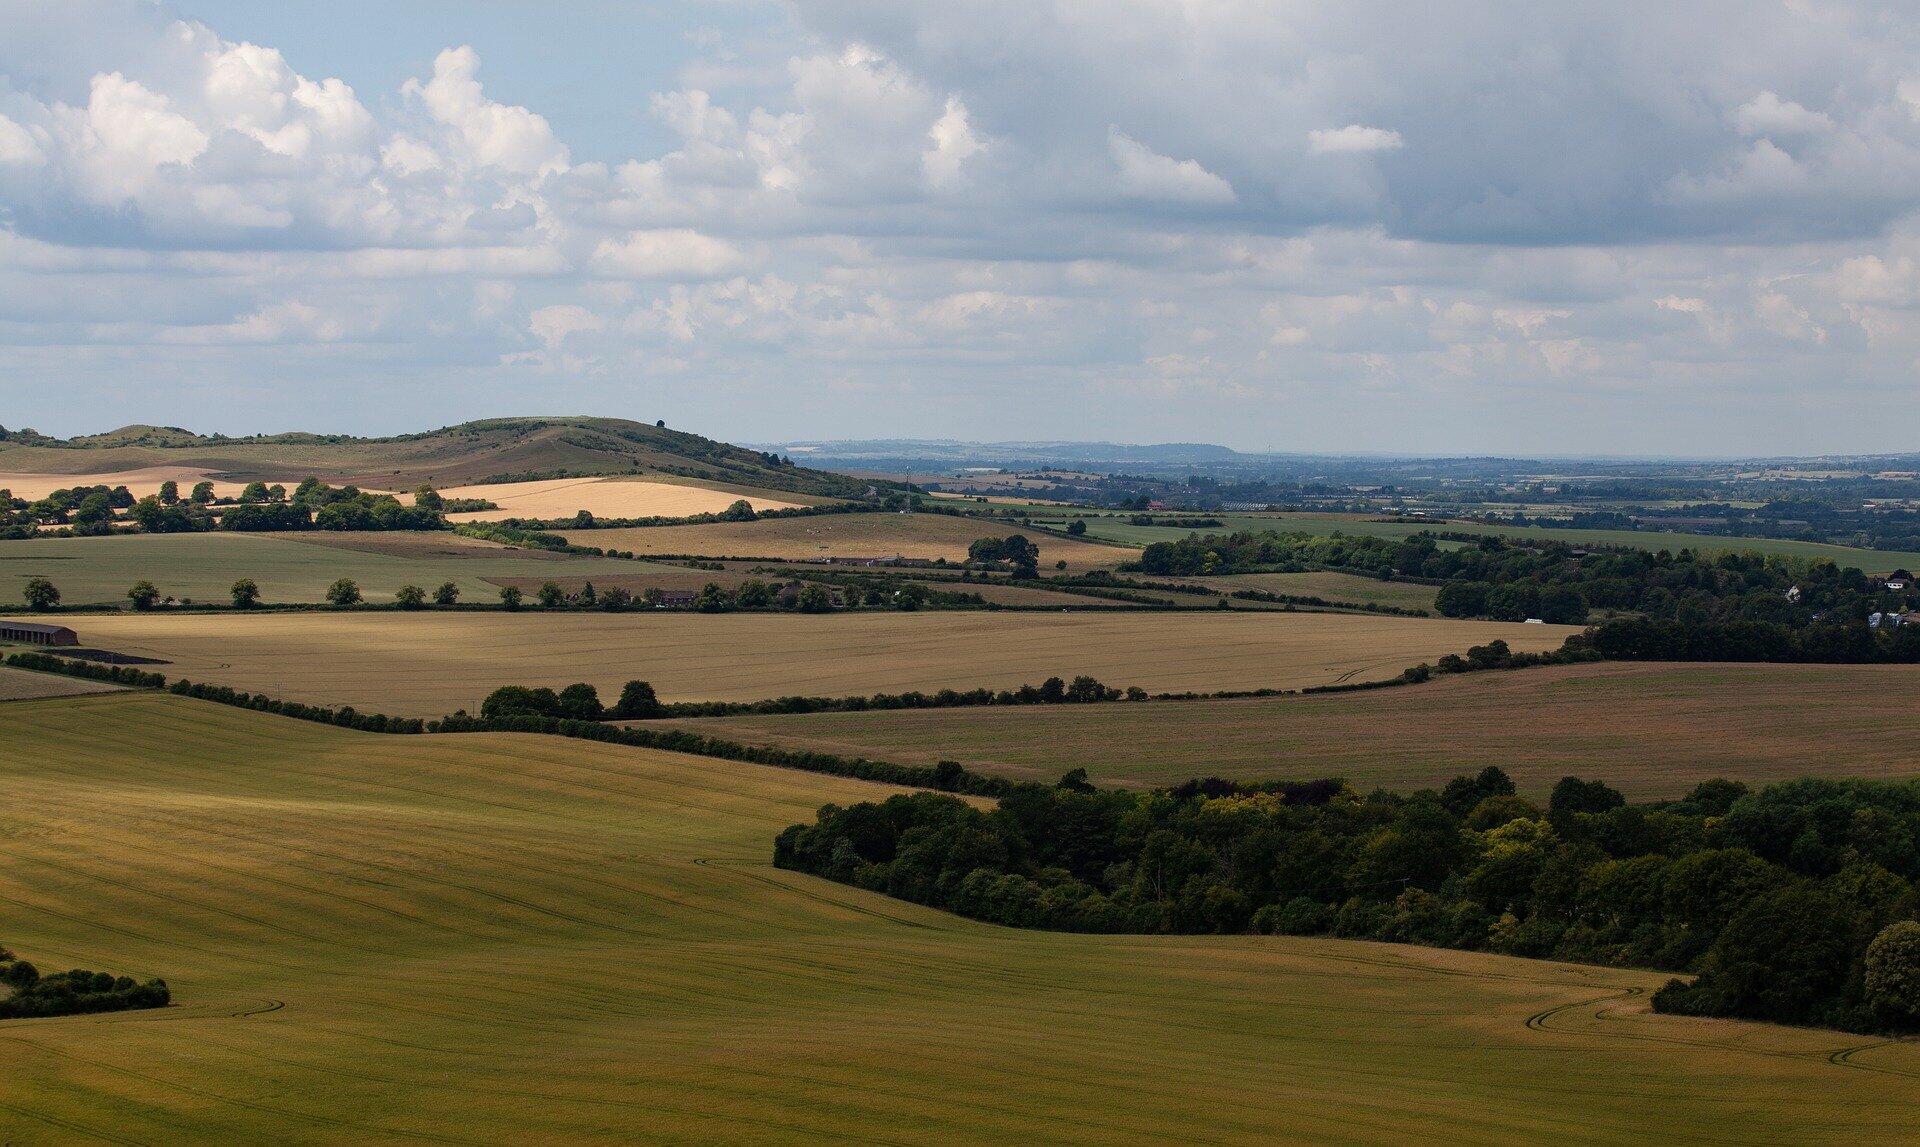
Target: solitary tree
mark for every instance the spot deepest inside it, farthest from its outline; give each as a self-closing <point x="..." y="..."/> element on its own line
<point x="638" y="700"/>
<point x="510" y="597"/>
<point x="41" y="594"/>
<point x="447" y="594"/>
<point x="255" y="492"/>
<point x="143" y="595"/>
<point x="203" y="493"/>
<point x="410" y="597"/>
<point x="169" y="492"/>
<point x="246" y="594"/>
<point x="1077" y="527"/>
<point x="344" y="592"/>
<point x="551" y="595"/>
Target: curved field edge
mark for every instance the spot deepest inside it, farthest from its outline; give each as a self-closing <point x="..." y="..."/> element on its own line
<point x="490" y="938"/>
<point x="1651" y="729"/>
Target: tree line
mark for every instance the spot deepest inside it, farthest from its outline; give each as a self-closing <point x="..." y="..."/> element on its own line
<point x="1795" y="903"/>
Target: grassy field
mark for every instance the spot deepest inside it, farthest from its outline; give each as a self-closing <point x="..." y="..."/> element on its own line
<point x="428" y="664"/>
<point x="22" y="685"/>
<point x="928" y="536"/>
<point x="615" y="498"/>
<point x="496" y="939"/>
<point x="1651" y="730"/>
<point x="1118" y="530"/>
<point x="296" y="568"/>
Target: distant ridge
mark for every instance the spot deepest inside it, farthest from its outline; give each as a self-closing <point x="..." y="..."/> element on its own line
<point x="493" y="449"/>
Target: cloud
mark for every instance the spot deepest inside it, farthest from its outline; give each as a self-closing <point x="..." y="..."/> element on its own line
<point x="945" y="215"/>
<point x="1146" y="174"/>
<point x="672" y="253"/>
<point x="953" y="142"/>
<point x="1354" y="138"/>
<point x="1768" y="114"/>
<point x="495" y="134"/>
<point x="552" y="325"/>
<point x="17" y="145"/>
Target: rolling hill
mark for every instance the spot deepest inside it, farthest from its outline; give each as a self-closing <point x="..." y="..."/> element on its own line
<point x="501" y="938"/>
<point x="472" y="452"/>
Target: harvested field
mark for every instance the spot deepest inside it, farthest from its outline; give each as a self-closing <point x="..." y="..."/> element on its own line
<point x="428" y="664"/>
<point x="23" y="685"/>
<point x="1653" y="731"/>
<point x="497" y="939"/>
<point x="927" y="536"/>
<point x="616" y="498"/>
<point x="288" y="567"/>
<point x="140" y="482"/>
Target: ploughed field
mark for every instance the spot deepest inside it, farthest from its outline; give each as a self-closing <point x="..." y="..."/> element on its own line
<point x="878" y="535"/>
<point x="429" y="664"/>
<point x="292" y="567"/>
<point x="1651" y="730"/>
<point x="491" y="938"/>
<point x="1334" y="587"/>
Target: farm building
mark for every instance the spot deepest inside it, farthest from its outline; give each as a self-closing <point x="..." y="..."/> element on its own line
<point x="34" y="633"/>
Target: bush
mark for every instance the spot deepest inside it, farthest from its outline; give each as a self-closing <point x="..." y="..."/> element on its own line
<point x="1893" y="973"/>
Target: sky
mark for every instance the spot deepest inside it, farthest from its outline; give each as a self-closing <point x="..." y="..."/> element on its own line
<point x="1610" y="228"/>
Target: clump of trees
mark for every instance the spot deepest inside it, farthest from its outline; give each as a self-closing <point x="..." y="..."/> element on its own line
<point x="580" y="702"/>
<point x="1015" y="551"/>
<point x="75" y="992"/>
<point x="1797" y="903"/>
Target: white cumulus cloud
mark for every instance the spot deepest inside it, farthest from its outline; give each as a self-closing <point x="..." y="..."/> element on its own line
<point x="1146" y="174"/>
<point x="667" y="253"/>
<point x="1354" y="138"/>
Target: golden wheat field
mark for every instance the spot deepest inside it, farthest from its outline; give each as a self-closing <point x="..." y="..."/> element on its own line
<point x="614" y="498"/>
<point x="430" y="663"/>
<point x="489" y="939"/>
<point x="139" y="482"/>
<point x="927" y="536"/>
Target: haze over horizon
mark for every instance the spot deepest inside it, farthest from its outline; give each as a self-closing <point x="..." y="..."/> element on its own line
<point x="1628" y="230"/>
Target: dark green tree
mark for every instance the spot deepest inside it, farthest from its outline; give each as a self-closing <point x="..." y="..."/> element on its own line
<point x="40" y="594"/>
